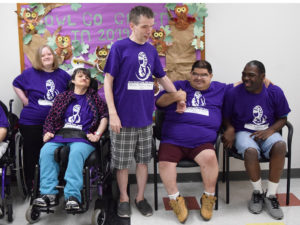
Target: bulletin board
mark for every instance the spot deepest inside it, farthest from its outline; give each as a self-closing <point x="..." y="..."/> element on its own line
<point x="81" y="34"/>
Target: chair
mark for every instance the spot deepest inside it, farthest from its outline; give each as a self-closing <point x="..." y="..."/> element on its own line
<point x="227" y="153"/>
<point x="159" y="118"/>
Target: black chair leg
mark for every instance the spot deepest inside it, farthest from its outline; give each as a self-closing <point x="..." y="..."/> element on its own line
<point x="227" y="178"/>
<point x="217" y="195"/>
<point x="155" y="183"/>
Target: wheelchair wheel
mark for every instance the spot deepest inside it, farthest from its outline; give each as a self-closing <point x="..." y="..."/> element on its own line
<point x="2" y="212"/>
<point x="32" y="215"/>
<point x="99" y="216"/>
<point x="20" y="165"/>
<point x="9" y="213"/>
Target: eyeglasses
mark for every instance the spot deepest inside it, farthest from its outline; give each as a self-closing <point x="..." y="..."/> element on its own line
<point x="202" y="75"/>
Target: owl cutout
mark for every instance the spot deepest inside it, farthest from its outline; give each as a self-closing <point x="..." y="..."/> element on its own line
<point x="101" y="54"/>
<point x="182" y="21"/>
<point x="158" y="37"/>
<point x="64" y="46"/>
<point x="31" y="21"/>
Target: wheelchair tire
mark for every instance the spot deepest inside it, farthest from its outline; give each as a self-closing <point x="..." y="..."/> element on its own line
<point x="2" y="212"/>
<point x="32" y="215"/>
<point x="20" y="165"/>
<point x="99" y="216"/>
<point x="9" y="213"/>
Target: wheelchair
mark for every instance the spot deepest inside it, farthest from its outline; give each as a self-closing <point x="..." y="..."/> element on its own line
<point x="7" y="165"/>
<point x="96" y="175"/>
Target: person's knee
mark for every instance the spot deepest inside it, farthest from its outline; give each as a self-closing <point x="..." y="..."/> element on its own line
<point x="251" y="154"/>
<point x="209" y="157"/>
<point x="279" y="148"/>
<point x="164" y="165"/>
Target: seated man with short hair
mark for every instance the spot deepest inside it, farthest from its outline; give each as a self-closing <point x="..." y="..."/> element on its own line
<point x="3" y="131"/>
<point x="191" y="134"/>
<point x="253" y="116"/>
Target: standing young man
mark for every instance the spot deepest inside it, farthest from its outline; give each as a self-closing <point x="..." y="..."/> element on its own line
<point x="128" y="87"/>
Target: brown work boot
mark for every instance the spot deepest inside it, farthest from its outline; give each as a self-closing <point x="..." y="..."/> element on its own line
<point x="179" y="208"/>
<point x="207" y="204"/>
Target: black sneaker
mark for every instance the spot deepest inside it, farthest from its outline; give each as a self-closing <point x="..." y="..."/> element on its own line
<point x="72" y="204"/>
<point x="124" y="209"/>
<point x="45" y="200"/>
<point x="144" y="207"/>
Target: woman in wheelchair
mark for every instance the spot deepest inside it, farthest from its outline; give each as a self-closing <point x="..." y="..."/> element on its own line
<point x="77" y="119"/>
<point x="3" y="132"/>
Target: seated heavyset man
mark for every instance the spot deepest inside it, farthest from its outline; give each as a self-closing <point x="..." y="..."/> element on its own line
<point x="191" y="133"/>
<point x="253" y="116"/>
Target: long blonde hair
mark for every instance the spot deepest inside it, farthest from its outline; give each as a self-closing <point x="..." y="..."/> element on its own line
<point x="38" y="61"/>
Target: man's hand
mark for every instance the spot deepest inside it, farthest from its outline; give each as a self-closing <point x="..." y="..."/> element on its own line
<point x="181" y="107"/>
<point x="114" y="122"/>
<point x="262" y="135"/>
<point x="48" y="136"/>
<point x="228" y="137"/>
<point x="93" y="137"/>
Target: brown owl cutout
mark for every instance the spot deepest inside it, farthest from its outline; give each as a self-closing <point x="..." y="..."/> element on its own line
<point x="31" y="21"/>
<point x="158" y="37"/>
<point x="64" y="46"/>
<point x="101" y="54"/>
<point x="182" y="21"/>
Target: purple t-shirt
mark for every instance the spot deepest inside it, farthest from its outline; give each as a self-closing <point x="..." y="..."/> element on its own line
<point x="41" y="88"/>
<point x="79" y="116"/>
<point x="132" y="66"/>
<point x="254" y="112"/>
<point x="201" y="120"/>
<point x="3" y="118"/>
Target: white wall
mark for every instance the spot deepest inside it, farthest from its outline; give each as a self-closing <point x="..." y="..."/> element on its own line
<point x="235" y="34"/>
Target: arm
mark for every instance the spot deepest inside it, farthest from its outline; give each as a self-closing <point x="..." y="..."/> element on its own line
<point x="167" y="84"/>
<point x="169" y="98"/>
<point x="3" y="133"/>
<point x="114" y="120"/>
<point x="229" y="134"/>
<point x="264" y="134"/>
<point x="21" y="95"/>
<point x="101" y="128"/>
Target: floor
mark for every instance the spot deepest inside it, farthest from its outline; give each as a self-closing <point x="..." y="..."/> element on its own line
<point x="236" y="213"/>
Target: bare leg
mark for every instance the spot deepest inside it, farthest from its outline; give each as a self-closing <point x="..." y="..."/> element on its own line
<point x="168" y="175"/>
<point x="141" y="179"/>
<point x="277" y="159"/>
<point x="252" y="164"/>
<point x="208" y="163"/>
<point x="122" y="178"/>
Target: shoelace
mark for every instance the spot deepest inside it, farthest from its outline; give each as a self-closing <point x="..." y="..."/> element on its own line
<point x="256" y="197"/>
<point x="208" y="203"/>
<point x="275" y="203"/>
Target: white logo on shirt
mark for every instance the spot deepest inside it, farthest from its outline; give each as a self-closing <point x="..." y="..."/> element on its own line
<point x="50" y="95"/>
<point x="198" y="99"/>
<point x="144" y="68"/>
<point x="259" y="120"/>
<point x="75" y="118"/>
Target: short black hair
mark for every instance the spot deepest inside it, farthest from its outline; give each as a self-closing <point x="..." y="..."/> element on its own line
<point x="202" y="64"/>
<point x="138" y="11"/>
<point x="260" y="66"/>
<point x="85" y="72"/>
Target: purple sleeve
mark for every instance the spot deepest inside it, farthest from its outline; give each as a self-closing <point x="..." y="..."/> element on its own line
<point x="20" y="81"/>
<point x="3" y="118"/>
<point x="112" y="65"/>
<point x="281" y="106"/>
<point x="158" y="69"/>
<point x="228" y="102"/>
